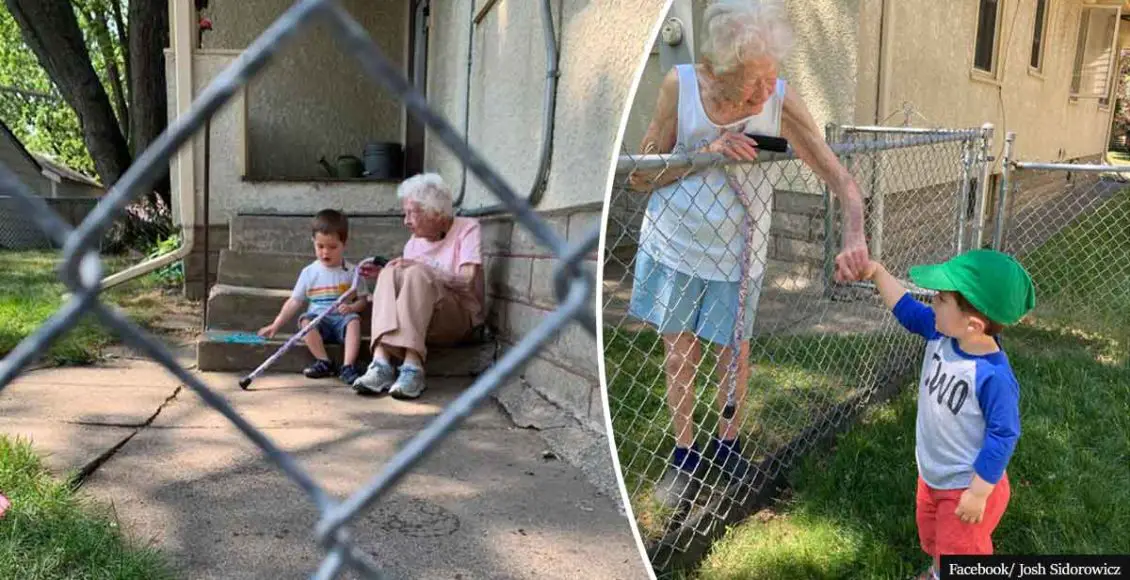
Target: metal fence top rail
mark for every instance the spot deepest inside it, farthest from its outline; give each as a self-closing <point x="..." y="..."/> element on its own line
<point x="628" y="163"/>
<point x="909" y="130"/>
<point x="1081" y="168"/>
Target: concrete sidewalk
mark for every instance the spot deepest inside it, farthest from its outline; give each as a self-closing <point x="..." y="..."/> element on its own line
<point x="488" y="503"/>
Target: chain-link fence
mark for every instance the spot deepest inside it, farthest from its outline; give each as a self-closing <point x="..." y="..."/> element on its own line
<point x="1069" y="225"/>
<point x="82" y="273"/>
<point x="765" y="233"/>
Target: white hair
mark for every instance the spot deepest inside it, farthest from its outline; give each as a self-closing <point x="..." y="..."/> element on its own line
<point x="739" y="30"/>
<point x="430" y="191"/>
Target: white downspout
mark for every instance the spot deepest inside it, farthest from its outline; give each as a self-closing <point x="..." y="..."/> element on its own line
<point x="1113" y="81"/>
<point x="883" y="82"/>
<point x="182" y="34"/>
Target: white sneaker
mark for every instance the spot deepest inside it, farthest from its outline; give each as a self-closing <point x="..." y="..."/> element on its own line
<point x="377" y="379"/>
<point x="410" y="383"/>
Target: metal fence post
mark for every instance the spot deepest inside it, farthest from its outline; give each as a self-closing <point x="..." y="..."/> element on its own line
<point x="1002" y="195"/>
<point x="878" y="201"/>
<point x="832" y="134"/>
<point x="963" y="204"/>
<point x="983" y="183"/>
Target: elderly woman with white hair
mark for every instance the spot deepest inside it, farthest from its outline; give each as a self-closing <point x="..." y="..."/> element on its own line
<point x="689" y="265"/>
<point x="432" y="294"/>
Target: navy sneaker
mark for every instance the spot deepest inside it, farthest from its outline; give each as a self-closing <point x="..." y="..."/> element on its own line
<point x="728" y="458"/>
<point x="348" y="374"/>
<point x="680" y="485"/>
<point x="319" y="370"/>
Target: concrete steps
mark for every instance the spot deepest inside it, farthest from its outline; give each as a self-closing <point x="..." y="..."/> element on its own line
<point x="249" y="308"/>
<point x="261" y="269"/>
<point x="291" y="235"/>
<point x="214" y="354"/>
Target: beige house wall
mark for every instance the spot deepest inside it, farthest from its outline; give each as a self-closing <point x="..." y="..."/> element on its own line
<point x="601" y="47"/>
<point x="932" y="64"/>
<point x="229" y="191"/>
<point x="294" y="118"/>
<point x="28" y="173"/>
<point x="68" y="189"/>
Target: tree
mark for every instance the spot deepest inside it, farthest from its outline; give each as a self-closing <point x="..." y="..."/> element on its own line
<point x="31" y="106"/>
<point x="107" y="68"/>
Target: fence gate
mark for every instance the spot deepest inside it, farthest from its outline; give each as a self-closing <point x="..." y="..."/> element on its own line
<point x="1049" y="215"/>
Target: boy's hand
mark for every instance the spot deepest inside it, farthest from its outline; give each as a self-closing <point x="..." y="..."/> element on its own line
<point x="351" y="307"/>
<point x="871" y="269"/>
<point x="971" y="507"/>
<point x="268" y="331"/>
<point x="866" y="273"/>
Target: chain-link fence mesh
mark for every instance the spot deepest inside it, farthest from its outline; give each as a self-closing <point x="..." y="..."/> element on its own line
<point x="16" y="231"/>
<point x="1069" y="225"/>
<point x="675" y="256"/>
<point x="82" y="273"/>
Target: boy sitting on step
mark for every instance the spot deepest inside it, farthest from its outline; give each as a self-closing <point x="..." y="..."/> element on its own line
<point x="319" y="285"/>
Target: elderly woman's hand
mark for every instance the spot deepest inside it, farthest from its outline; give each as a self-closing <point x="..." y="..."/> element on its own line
<point x="370" y="271"/>
<point x="735" y="146"/>
<point x="853" y="261"/>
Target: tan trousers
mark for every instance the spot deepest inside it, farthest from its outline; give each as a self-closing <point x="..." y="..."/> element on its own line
<point x="412" y="308"/>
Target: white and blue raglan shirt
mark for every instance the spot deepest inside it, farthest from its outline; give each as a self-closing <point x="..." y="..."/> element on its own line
<point x="968" y="407"/>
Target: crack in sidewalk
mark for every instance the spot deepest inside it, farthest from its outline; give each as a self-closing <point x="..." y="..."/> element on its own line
<point x="92" y="466"/>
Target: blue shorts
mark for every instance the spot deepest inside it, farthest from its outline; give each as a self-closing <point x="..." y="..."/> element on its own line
<point x="332" y="327"/>
<point x="677" y="302"/>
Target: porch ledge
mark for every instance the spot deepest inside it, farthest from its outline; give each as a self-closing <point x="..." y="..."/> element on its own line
<point x="251" y="179"/>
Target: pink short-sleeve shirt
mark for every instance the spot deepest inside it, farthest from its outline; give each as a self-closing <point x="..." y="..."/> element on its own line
<point x="461" y="245"/>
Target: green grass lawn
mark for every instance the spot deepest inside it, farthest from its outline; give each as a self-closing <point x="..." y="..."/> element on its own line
<point x="794" y="379"/>
<point x="1082" y="274"/>
<point x="30" y="292"/>
<point x="850" y="509"/>
<point x="850" y="513"/>
<point x="50" y="532"/>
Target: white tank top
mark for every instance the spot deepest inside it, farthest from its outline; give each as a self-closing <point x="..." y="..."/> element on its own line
<point x="695" y="225"/>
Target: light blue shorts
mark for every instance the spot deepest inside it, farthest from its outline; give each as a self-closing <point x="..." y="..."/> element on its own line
<point x="677" y="302"/>
<point x="332" y="327"/>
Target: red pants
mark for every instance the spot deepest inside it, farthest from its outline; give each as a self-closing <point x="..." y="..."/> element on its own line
<point x="942" y="533"/>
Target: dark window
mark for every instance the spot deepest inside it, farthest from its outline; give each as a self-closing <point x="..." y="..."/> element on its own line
<point x="1038" y="34"/>
<point x="986" y="35"/>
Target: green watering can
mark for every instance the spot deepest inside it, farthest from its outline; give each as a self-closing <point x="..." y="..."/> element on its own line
<point x="347" y="166"/>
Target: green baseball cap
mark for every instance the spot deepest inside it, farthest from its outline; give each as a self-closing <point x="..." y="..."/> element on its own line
<point x="993" y="282"/>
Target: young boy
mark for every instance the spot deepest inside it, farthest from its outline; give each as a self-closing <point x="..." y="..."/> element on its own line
<point x="320" y="284"/>
<point x="968" y="399"/>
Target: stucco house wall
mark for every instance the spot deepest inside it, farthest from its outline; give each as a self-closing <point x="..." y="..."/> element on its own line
<point x="600" y="47"/>
<point x="294" y="118"/>
<point x="937" y="78"/>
